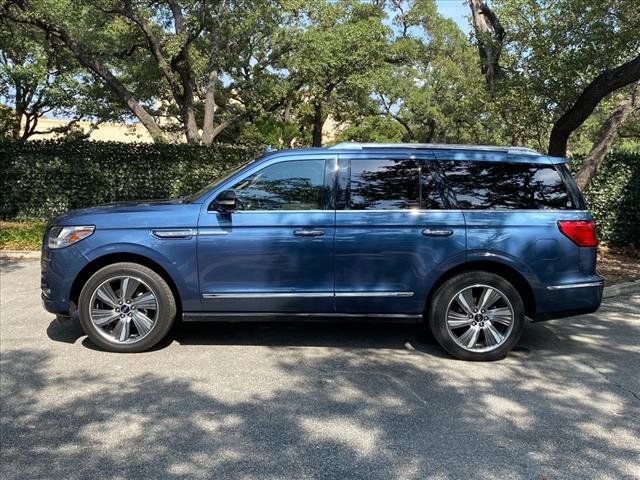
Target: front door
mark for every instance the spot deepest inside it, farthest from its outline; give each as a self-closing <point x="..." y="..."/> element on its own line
<point x="275" y="252"/>
<point x="394" y="231"/>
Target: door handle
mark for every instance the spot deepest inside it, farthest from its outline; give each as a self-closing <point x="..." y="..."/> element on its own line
<point x="428" y="232"/>
<point x="308" y="233"/>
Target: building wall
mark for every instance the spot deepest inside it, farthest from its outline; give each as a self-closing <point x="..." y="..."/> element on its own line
<point x="135" y="132"/>
<point x="116" y="132"/>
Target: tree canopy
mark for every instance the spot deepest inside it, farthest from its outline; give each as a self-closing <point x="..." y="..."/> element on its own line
<point x="548" y="74"/>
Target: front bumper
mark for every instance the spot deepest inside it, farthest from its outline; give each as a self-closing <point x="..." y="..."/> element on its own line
<point x="58" y="270"/>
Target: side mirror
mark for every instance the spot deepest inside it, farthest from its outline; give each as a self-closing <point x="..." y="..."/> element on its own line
<point x="225" y="202"/>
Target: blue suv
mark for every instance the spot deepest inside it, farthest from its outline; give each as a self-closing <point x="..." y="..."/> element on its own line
<point x="471" y="240"/>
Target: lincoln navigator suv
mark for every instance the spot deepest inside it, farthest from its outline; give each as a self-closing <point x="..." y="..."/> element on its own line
<point x="470" y="240"/>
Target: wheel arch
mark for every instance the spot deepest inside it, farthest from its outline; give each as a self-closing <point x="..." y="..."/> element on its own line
<point x="508" y="273"/>
<point x="111" y="258"/>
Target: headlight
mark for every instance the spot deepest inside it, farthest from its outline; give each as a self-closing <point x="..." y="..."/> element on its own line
<point x="60" y="237"/>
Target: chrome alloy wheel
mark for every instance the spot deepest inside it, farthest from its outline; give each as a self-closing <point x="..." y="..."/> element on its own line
<point x="124" y="309"/>
<point x="480" y="318"/>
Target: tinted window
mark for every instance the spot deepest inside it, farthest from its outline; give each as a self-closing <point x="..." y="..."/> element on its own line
<point x="297" y="185"/>
<point x="494" y="185"/>
<point x="384" y="184"/>
<point x="393" y="185"/>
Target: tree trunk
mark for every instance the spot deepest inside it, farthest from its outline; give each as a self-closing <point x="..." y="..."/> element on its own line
<point x="431" y="132"/>
<point x="17" y="124"/>
<point x="19" y="111"/>
<point x="318" y="123"/>
<point x="606" y="136"/>
<point x="601" y="86"/>
<point x="490" y="36"/>
<point x="191" y="129"/>
<point x="210" y="108"/>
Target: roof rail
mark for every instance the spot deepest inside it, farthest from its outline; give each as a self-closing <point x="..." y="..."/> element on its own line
<point x="435" y="146"/>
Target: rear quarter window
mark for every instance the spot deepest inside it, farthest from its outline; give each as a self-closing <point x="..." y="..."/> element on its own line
<point x="509" y="186"/>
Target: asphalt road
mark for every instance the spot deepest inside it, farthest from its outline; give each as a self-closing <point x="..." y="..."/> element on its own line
<point x="285" y="401"/>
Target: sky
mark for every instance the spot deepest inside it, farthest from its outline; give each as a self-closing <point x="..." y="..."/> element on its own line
<point x="457" y="10"/>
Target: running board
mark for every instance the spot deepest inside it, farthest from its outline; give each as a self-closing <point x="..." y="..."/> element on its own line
<point x="299" y="317"/>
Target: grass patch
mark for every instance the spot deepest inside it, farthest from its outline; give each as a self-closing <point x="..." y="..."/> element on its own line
<point x="21" y="235"/>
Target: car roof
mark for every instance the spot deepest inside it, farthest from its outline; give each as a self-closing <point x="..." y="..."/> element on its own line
<point x="448" y="151"/>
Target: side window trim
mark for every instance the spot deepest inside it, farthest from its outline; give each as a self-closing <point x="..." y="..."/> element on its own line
<point x="432" y="167"/>
<point x="574" y="191"/>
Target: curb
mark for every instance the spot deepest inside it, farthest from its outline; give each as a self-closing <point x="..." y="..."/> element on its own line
<point x="621" y="289"/>
<point x="19" y="255"/>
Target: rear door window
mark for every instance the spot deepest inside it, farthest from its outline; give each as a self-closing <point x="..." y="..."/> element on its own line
<point x="384" y="185"/>
<point x="387" y="184"/>
<point x="509" y="186"/>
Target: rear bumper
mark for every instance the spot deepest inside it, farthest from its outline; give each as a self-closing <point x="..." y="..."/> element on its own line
<point x="566" y="300"/>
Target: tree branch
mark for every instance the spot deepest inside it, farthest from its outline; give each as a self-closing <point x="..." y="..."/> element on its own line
<point x="600" y="87"/>
<point x="607" y="135"/>
<point x="154" y="47"/>
<point x="87" y="61"/>
<point x="490" y="37"/>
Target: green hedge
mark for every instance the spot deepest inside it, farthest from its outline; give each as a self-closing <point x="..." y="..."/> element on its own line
<point x="42" y="179"/>
<point x="614" y="198"/>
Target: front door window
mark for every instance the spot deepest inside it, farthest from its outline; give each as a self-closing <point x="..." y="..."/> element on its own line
<point x="293" y="185"/>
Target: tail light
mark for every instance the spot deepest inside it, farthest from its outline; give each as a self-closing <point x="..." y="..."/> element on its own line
<point x="580" y="232"/>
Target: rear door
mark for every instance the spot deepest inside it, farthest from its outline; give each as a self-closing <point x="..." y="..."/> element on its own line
<point x="394" y="233"/>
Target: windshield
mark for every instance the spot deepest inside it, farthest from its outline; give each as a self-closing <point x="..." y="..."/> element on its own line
<point x="222" y="177"/>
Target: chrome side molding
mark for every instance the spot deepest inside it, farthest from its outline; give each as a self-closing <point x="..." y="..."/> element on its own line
<point x="268" y="295"/>
<point x="306" y="294"/>
<point x="575" y="285"/>
<point x="374" y="294"/>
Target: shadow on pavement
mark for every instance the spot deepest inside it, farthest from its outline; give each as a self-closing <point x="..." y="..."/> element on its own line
<point x="8" y="265"/>
<point x="365" y="407"/>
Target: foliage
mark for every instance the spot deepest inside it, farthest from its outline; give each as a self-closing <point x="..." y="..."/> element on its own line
<point x="44" y="178"/>
<point x="36" y="79"/>
<point x="614" y="196"/>
<point x="553" y="50"/>
<point x="336" y="48"/>
<point x="21" y="235"/>
<point x="200" y="65"/>
<point x="373" y="129"/>
<point x="275" y="70"/>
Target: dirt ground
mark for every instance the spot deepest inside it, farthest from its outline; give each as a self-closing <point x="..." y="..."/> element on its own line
<point x="617" y="264"/>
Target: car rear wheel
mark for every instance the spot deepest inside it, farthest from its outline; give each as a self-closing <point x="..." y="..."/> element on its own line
<point x="126" y="307"/>
<point x="477" y="316"/>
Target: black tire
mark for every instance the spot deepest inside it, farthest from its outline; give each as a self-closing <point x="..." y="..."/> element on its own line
<point x="166" y="307"/>
<point x="437" y="312"/>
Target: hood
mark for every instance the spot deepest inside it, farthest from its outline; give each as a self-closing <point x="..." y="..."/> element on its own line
<point x="135" y="214"/>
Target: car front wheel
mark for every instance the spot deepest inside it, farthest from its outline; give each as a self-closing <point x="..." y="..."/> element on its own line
<point x="126" y="307"/>
<point x="477" y="316"/>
